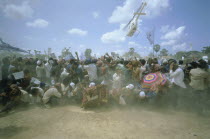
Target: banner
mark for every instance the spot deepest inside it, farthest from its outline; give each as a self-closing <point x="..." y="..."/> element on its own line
<point x="18" y="75"/>
<point x="35" y="81"/>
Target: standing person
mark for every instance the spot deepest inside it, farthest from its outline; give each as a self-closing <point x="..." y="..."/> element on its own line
<point x="48" y="67"/>
<point x="55" y="71"/>
<point x="177" y="75"/>
<point x="181" y="64"/>
<point x="92" y="71"/>
<point x="199" y="77"/>
<point x="40" y="71"/>
<point x="117" y="79"/>
<point x="136" y="73"/>
<point x="0" y="74"/>
<point x="76" y="73"/>
<point x="178" y="95"/>
<point x="5" y="71"/>
<point x="200" y="82"/>
<point x="142" y="69"/>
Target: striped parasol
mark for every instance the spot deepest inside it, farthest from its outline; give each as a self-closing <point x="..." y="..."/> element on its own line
<point x="153" y="81"/>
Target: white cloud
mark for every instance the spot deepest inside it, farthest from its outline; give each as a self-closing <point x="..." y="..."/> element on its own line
<point x="38" y="23"/>
<point x="156" y="7"/>
<point x="18" y="11"/>
<point x="174" y="38"/>
<point x="133" y="44"/>
<point x="124" y="13"/>
<point x="174" y="34"/>
<point x="116" y="36"/>
<point x="180" y="47"/>
<point x="120" y="51"/>
<point x="76" y="31"/>
<point x="168" y="43"/>
<point x="95" y="14"/>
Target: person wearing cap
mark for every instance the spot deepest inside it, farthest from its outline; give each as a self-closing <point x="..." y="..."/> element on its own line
<point x="178" y="93"/>
<point x="177" y="75"/>
<point x="71" y="88"/>
<point x="127" y="94"/>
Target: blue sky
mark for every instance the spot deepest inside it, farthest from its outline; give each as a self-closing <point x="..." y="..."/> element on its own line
<point x="97" y="24"/>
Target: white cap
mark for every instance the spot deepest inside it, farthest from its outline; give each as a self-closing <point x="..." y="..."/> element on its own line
<point x="130" y="86"/>
<point x="205" y="58"/>
<point x="92" y="84"/>
<point x="38" y="62"/>
<point x="103" y="82"/>
<point x="182" y="58"/>
<point x="72" y="84"/>
<point x="142" y="94"/>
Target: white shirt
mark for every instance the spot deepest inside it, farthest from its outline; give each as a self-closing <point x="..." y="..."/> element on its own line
<point x="40" y="71"/>
<point x="64" y="74"/>
<point x="25" y="96"/>
<point x="92" y="71"/>
<point x="37" y="99"/>
<point x="47" y="69"/>
<point x="117" y="81"/>
<point x="49" y="93"/>
<point x="177" y="77"/>
<point x="142" y="69"/>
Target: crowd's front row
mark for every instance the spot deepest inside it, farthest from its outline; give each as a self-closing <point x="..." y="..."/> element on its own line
<point x="105" y="81"/>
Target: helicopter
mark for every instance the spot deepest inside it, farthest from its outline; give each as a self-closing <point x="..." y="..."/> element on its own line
<point x="133" y="23"/>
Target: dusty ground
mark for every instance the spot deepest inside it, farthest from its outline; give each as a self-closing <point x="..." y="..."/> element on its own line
<point x="71" y="122"/>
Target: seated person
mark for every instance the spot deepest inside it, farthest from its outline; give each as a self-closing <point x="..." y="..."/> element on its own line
<point x="52" y="95"/>
<point x="36" y="95"/>
<point x="13" y="98"/>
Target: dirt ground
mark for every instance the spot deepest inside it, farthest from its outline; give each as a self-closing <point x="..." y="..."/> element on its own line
<point x="73" y="122"/>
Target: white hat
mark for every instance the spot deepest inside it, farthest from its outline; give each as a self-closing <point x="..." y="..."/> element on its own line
<point x="92" y="84"/>
<point x="103" y="82"/>
<point x="142" y="94"/>
<point x="72" y="84"/>
<point x="130" y="86"/>
<point x="38" y="62"/>
<point x="205" y="58"/>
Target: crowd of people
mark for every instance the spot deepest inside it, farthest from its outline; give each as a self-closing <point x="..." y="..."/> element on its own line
<point x="105" y="80"/>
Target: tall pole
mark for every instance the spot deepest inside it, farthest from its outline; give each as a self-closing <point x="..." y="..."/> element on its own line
<point x="153" y="41"/>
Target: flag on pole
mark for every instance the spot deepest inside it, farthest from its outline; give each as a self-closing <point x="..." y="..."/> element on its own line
<point x="150" y="36"/>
